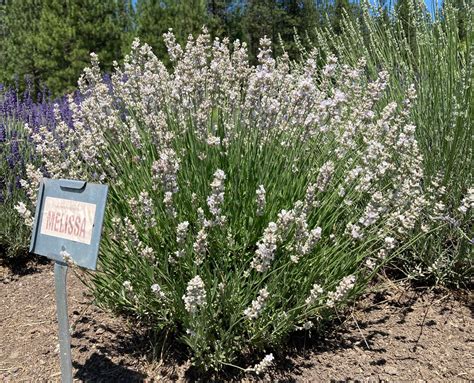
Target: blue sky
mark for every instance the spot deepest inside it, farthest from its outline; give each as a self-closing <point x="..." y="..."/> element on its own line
<point x="430" y="4"/>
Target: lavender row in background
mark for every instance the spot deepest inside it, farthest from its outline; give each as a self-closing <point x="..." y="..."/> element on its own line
<point x="23" y="107"/>
<point x="16" y="149"/>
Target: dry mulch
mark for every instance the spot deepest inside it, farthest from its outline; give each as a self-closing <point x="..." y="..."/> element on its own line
<point x="394" y="334"/>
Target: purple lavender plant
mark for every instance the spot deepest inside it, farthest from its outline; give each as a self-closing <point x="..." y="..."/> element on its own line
<point x="3" y="133"/>
<point x="17" y="150"/>
<point x="16" y="147"/>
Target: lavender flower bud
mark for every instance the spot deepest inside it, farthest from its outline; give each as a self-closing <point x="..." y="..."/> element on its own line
<point x="261" y="367"/>
<point x="260" y="200"/>
<point x="195" y="296"/>
<point x="254" y="310"/>
<point x="346" y="285"/>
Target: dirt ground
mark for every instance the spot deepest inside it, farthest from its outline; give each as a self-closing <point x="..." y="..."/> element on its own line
<point x="392" y="334"/>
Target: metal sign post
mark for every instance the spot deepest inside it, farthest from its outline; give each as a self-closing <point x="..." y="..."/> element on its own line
<point x="60" y="274"/>
<point x="67" y="228"/>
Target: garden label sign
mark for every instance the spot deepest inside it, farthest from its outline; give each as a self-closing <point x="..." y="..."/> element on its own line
<point x="67" y="227"/>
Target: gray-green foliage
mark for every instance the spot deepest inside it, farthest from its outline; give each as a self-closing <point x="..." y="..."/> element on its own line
<point x="244" y="201"/>
<point x="437" y="56"/>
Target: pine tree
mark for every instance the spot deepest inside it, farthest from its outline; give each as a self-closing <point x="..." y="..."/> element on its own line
<point x="49" y="41"/>
<point x="69" y="31"/>
<point x="55" y="42"/>
<point x="218" y="17"/>
<point x="261" y="19"/>
<point x="153" y="18"/>
<point x="156" y="17"/>
<point x="298" y="17"/>
<point x="20" y="25"/>
<point x="278" y="19"/>
<point x="126" y="16"/>
<point x="189" y="18"/>
<point x="3" y="11"/>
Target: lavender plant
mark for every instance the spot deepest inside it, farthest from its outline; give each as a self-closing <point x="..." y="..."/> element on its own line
<point x="13" y="234"/>
<point x="16" y="153"/>
<point x="245" y="202"/>
<point x="437" y="58"/>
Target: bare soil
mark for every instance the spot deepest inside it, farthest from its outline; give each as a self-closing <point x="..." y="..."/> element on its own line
<point x="392" y="334"/>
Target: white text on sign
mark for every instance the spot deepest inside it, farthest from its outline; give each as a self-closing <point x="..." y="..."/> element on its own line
<point x="68" y="219"/>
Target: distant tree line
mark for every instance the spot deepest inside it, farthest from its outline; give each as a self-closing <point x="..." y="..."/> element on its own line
<point x="48" y="41"/>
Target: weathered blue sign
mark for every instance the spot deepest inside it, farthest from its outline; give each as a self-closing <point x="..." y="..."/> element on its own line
<point x="68" y="221"/>
<point x="67" y="227"/>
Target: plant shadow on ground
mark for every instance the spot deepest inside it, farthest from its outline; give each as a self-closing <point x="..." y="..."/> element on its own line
<point x="121" y="354"/>
<point x="175" y="365"/>
<point x="342" y="333"/>
<point x="136" y="345"/>
<point x="23" y="263"/>
<point x="99" y="368"/>
<point x="116" y="360"/>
